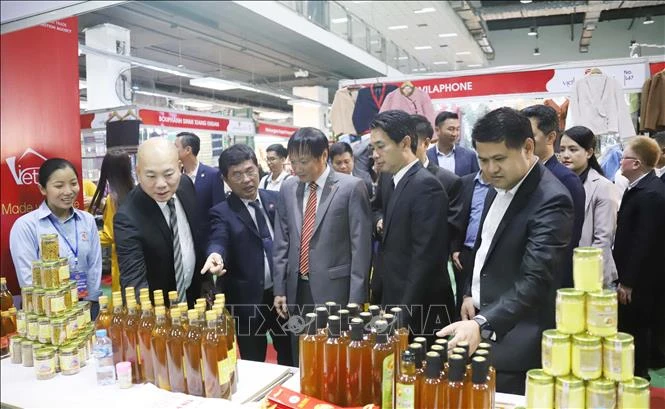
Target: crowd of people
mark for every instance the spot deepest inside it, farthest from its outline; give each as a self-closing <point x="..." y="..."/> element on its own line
<point x="505" y="216"/>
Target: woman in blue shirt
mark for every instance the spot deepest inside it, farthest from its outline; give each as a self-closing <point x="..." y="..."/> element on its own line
<point x="76" y="230"/>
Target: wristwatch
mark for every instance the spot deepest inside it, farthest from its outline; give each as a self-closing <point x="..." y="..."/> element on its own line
<point x="486" y="331"/>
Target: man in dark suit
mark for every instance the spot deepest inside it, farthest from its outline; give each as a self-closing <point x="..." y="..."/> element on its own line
<point x="414" y="227"/>
<point x="240" y="254"/>
<point x="639" y="254"/>
<point x="526" y="226"/>
<point x="545" y="128"/>
<point x="157" y="229"/>
<point x="659" y="137"/>
<point x="447" y="153"/>
<point x="341" y="159"/>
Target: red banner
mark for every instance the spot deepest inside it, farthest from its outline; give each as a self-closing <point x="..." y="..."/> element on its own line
<point x="276" y="130"/>
<point x="39" y="80"/>
<point x="178" y="120"/>
<point x="656" y="67"/>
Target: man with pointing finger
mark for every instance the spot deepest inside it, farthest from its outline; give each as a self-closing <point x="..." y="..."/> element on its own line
<point x="240" y="255"/>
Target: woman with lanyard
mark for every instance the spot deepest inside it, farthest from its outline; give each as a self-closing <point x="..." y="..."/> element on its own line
<point x="77" y="232"/>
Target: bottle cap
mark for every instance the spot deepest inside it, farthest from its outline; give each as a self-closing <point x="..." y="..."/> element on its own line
<point x="398" y="315"/>
<point x="444" y="344"/>
<point x="418" y="351"/>
<point x="375" y="310"/>
<point x="333" y="326"/>
<point x="310" y="320"/>
<point x="211" y="315"/>
<point x="220" y="297"/>
<point x="479" y="369"/>
<point x="408" y="356"/>
<point x="344" y="319"/>
<point x="465" y="345"/>
<point x="173" y="295"/>
<point x="422" y="341"/>
<point x="175" y="312"/>
<point x="354" y="309"/>
<point x="123" y="367"/>
<point x="100" y="333"/>
<point x="433" y="367"/>
<point x="357" y="329"/>
<point x="367" y="318"/>
<point x="321" y="317"/>
<point x="160" y="310"/>
<point x="332" y="307"/>
<point x="461" y="352"/>
<point x="192" y="315"/>
<point x="457" y="368"/>
<point x="382" y="330"/>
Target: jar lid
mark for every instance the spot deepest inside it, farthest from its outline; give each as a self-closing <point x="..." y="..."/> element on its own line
<point x="586" y="339"/>
<point x="50" y="264"/>
<point x="605" y="295"/>
<point x="48" y="236"/>
<point x="59" y="319"/>
<point x="602" y="383"/>
<point x="69" y="348"/>
<point x="556" y="336"/>
<point x="43" y="320"/>
<point x="38" y="290"/>
<point x="539" y="376"/>
<point x="32" y="317"/>
<point x="26" y="343"/>
<point x="571" y="381"/>
<point x="29" y="288"/>
<point x="588" y="251"/>
<point x="52" y="293"/>
<point x="619" y="338"/>
<point x="636" y="384"/>
<point x="45" y="352"/>
<point x="569" y="293"/>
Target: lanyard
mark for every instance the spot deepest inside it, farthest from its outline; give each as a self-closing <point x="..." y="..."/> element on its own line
<point x="74" y="250"/>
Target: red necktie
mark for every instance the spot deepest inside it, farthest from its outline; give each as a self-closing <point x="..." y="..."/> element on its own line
<point x="307" y="229"/>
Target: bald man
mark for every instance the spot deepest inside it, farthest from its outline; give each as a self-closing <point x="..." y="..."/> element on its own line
<point x="156" y="228"/>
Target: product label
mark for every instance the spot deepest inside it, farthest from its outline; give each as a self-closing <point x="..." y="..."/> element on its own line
<point x="33" y="330"/>
<point x="388" y="382"/>
<point x="63" y="273"/>
<point x="44" y="332"/>
<point x="232" y="355"/>
<point x="20" y="326"/>
<point x="70" y="362"/>
<point x="80" y="320"/>
<point x="601" y="400"/>
<point x="546" y="355"/>
<point x="223" y="372"/>
<point x="184" y="369"/>
<point x="590" y="361"/>
<point x="57" y="304"/>
<point x="44" y="367"/>
<point x="406" y="396"/>
<point x="74" y="294"/>
<point x="602" y="316"/>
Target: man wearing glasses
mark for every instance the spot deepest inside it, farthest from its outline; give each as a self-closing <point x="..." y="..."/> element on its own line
<point x="275" y="156"/>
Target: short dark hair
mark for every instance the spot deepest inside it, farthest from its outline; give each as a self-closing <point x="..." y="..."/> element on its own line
<point x="306" y="141"/>
<point x="659" y="137"/>
<point x="422" y="127"/>
<point x="279" y="149"/>
<point x="339" y="148"/>
<point x="443" y="115"/>
<point x="191" y="140"/>
<point x="546" y="116"/>
<point x="396" y="124"/>
<point x="235" y="155"/>
<point x="50" y="166"/>
<point x="503" y="125"/>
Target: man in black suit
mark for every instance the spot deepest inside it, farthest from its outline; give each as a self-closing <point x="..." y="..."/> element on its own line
<point x="241" y="235"/>
<point x="545" y="128"/>
<point x="526" y="226"/>
<point x="414" y="228"/>
<point x="342" y="161"/>
<point x="447" y="152"/>
<point x="639" y="254"/>
<point x="659" y="137"/>
<point x="157" y="229"/>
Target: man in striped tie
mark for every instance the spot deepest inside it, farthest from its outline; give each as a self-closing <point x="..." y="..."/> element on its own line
<point x="322" y="243"/>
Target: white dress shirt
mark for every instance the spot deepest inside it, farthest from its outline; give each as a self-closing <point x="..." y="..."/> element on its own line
<point x="660" y="171"/>
<point x="320" y="182"/>
<point x="636" y="181"/>
<point x="494" y="216"/>
<point x="276" y="184"/>
<point x="185" y="235"/>
<point x="446" y="160"/>
<point x="399" y="175"/>
<point x="195" y="172"/>
<point x="267" y="284"/>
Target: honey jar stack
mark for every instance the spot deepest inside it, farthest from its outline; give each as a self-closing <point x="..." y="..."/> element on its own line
<point x="586" y="362"/>
<point x="54" y="330"/>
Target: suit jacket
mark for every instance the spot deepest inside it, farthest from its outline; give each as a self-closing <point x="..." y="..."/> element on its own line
<point x="600" y="220"/>
<point x="517" y="291"/>
<point x="662" y="177"/>
<point x="465" y="199"/>
<point x="209" y="192"/>
<point x="366" y="178"/>
<point x="145" y="245"/>
<point x="573" y="183"/>
<point x="415" y="234"/>
<point x="452" y="184"/>
<point x="340" y="248"/>
<point x="466" y="160"/>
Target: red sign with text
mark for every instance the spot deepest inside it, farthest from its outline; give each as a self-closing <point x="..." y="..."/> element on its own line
<point x="178" y="120"/>
<point x="276" y="130"/>
<point x="39" y="80"/>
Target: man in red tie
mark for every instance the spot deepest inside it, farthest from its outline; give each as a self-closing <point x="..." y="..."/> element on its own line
<point x="322" y="245"/>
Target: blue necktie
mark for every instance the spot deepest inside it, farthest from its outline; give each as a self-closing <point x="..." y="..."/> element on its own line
<point x="264" y="232"/>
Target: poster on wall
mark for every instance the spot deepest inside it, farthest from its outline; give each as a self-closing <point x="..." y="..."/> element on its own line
<point x="43" y="123"/>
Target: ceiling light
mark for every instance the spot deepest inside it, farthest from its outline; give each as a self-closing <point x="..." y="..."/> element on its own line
<point x="533" y="31"/>
<point x="83" y="84"/>
<point x="339" y="20"/>
<point x="164" y="69"/>
<point x="152" y="94"/>
<point x="474" y="65"/>
<point x="214" y="83"/>
<point x="404" y="57"/>
<point x="194" y="103"/>
<point x="536" y="51"/>
<point x="525" y="1"/>
<point x="83" y="104"/>
<point x="422" y="47"/>
<point x="425" y="10"/>
<point x="446" y="35"/>
<point x="306" y="102"/>
<point x="275" y="115"/>
<point x="402" y="27"/>
<point x="463" y="53"/>
<point x="440" y="62"/>
<point x="648" y="20"/>
<point x="375" y="42"/>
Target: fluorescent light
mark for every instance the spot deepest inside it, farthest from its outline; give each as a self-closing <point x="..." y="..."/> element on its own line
<point x="194" y="103"/>
<point x="536" y="51"/>
<point x="83" y="84"/>
<point x="403" y="27"/>
<point x="648" y="20"/>
<point x="164" y="69"/>
<point x="339" y="20"/>
<point x="440" y="62"/>
<point x="275" y="115"/>
<point x="525" y="1"/>
<point x="404" y="57"/>
<point x="463" y="53"/>
<point x="83" y="104"/>
<point x="375" y="42"/>
<point x="214" y="83"/>
<point x="306" y="102"/>
<point x="474" y="65"/>
<point x="533" y="31"/>
<point x="422" y="47"/>
<point x="425" y="10"/>
<point x="152" y="94"/>
<point x="446" y="35"/>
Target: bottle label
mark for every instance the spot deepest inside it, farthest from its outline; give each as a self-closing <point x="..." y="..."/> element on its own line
<point x="45" y="367"/>
<point x="44" y="332"/>
<point x="57" y="304"/>
<point x="387" y="382"/>
<point x="20" y="326"/>
<point x="223" y="372"/>
<point x="69" y="362"/>
<point x="63" y="273"/>
<point x="405" y="396"/>
<point x="33" y="330"/>
<point x="232" y="355"/>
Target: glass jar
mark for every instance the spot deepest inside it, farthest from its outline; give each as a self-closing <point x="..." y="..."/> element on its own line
<point x="602" y="313"/>
<point x="21" y="323"/>
<point x="45" y="363"/>
<point x="44" y="331"/>
<point x="555" y="353"/>
<point x="619" y="357"/>
<point x="86" y="311"/>
<point x="26" y="299"/>
<point x="63" y="271"/>
<point x="539" y="390"/>
<point x="80" y="317"/>
<point x="588" y="269"/>
<point x="33" y="327"/>
<point x="570" y="311"/>
<point x="50" y="275"/>
<point x="15" y="349"/>
<point x="587" y="357"/>
<point x="73" y="291"/>
<point x="54" y="302"/>
<point x="26" y="352"/>
<point x="69" y="359"/>
<point x="38" y="301"/>
<point x="84" y="353"/>
<point x="601" y="394"/>
<point x="72" y="327"/>
<point x="36" y="268"/>
<point x="634" y="394"/>
<point x="57" y="358"/>
<point x="58" y="330"/>
<point x="50" y="247"/>
<point x="569" y="392"/>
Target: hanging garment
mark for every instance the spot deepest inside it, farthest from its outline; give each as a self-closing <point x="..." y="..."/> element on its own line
<point x="368" y="103"/>
<point x="561" y="111"/>
<point x="418" y="102"/>
<point x="652" y="111"/>
<point x="341" y="112"/>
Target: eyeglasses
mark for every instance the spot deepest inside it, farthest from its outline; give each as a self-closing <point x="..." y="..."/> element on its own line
<point x="240" y="176"/>
<point x="630" y="158"/>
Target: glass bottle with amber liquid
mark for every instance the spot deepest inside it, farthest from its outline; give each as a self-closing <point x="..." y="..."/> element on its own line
<point x="116" y="329"/>
<point x="455" y="387"/>
<point x="383" y="367"/>
<point x="345" y="329"/>
<point x="333" y="355"/>
<point x="310" y="366"/>
<point x="223" y="331"/>
<point x="175" y="352"/>
<point x="443" y="375"/>
<point x="485" y="350"/>
<point x="231" y="341"/>
<point x="7" y="329"/>
<point x="160" y="362"/>
<point x="6" y="299"/>
<point x="431" y="393"/>
<point x="213" y="382"/>
<point x="144" y="349"/>
<point x="368" y="336"/>
<point x="193" y="361"/>
<point x="184" y="320"/>
<point x="173" y="300"/>
<point x="417" y="351"/>
<point x="405" y="387"/>
<point x="332" y="307"/>
<point x="104" y="317"/>
<point x="130" y="348"/>
<point x="481" y="394"/>
<point x="354" y="310"/>
<point x="401" y="334"/>
<point x="464" y="353"/>
<point x="322" y="321"/>
<point x="359" y="367"/>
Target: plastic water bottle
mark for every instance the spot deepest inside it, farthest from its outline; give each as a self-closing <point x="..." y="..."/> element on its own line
<point x="103" y="353"/>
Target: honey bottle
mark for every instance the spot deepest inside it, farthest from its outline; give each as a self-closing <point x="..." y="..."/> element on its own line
<point x="485" y="350"/>
<point x="405" y="388"/>
<point x="375" y="310"/>
<point x="368" y="335"/>
<point x="464" y="353"/>
<point x="481" y="394"/>
<point x="332" y="307"/>
<point x="322" y="321"/>
<point x="158" y="343"/>
<point x="175" y="352"/>
<point x="130" y="350"/>
<point x="184" y="321"/>
<point x="130" y="295"/>
<point x="216" y="385"/>
<point x="144" y="348"/>
<point x="222" y="331"/>
<point x="320" y="339"/>
<point x="422" y="341"/>
<point x="158" y="297"/>
<point x="6" y="299"/>
<point x="116" y="329"/>
<point x="359" y="367"/>
<point x="354" y="310"/>
<point x="193" y="362"/>
<point x="455" y="387"/>
<point x="7" y="329"/>
<point x="231" y="341"/>
<point x="173" y="299"/>
<point x="103" y="320"/>
<point x="383" y="367"/>
<point x="419" y="372"/>
<point x="401" y="335"/>
<point x="333" y="361"/>
<point x="310" y="366"/>
<point x="345" y="329"/>
<point x="432" y="393"/>
<point x="443" y="356"/>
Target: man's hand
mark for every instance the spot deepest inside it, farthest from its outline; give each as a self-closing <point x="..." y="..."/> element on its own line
<point x="379" y="226"/>
<point x="280" y="306"/>
<point x="462" y="331"/>
<point x="468" y="311"/>
<point x="456" y="261"/>
<point x="214" y="264"/>
<point x="625" y="294"/>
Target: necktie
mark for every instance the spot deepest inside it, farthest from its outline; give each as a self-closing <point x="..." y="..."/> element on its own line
<point x="307" y="229"/>
<point x="264" y="231"/>
<point x="181" y="287"/>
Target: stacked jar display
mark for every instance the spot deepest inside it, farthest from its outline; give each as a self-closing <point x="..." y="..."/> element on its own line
<point x="54" y="330"/>
<point x="586" y="362"/>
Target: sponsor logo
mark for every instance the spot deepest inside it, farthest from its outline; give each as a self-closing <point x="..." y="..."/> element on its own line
<point x="25" y="170"/>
